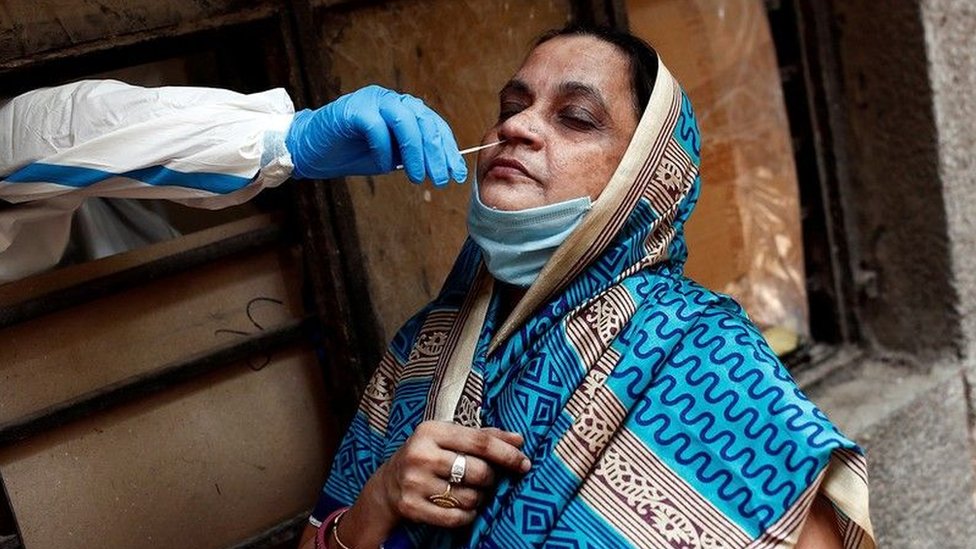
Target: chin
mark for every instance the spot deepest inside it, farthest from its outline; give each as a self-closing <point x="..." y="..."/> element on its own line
<point x="509" y="196"/>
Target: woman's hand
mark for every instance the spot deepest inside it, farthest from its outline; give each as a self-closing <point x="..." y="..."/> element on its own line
<point x="400" y="489"/>
<point x="421" y="467"/>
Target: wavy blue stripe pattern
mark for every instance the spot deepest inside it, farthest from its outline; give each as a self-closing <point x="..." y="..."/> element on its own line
<point x="700" y="392"/>
<point x="160" y="176"/>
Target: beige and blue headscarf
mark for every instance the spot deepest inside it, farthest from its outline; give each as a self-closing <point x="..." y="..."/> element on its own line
<point x="653" y="411"/>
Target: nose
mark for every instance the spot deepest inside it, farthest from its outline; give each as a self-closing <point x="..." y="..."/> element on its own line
<point x="522" y="128"/>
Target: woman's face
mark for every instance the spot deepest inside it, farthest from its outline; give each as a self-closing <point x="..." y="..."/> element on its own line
<point x="566" y="117"/>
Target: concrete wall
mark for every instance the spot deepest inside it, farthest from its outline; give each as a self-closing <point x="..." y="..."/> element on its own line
<point x="905" y="120"/>
<point x="950" y="40"/>
<point x="894" y="213"/>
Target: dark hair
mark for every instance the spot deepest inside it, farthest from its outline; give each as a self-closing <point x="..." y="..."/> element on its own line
<point x="643" y="58"/>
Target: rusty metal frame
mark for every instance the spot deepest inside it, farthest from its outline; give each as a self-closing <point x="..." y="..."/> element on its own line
<point x="257" y="11"/>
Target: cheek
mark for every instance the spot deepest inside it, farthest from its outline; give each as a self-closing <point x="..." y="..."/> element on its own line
<point x="582" y="171"/>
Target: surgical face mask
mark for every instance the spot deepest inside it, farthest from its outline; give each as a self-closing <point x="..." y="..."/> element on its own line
<point x="517" y="244"/>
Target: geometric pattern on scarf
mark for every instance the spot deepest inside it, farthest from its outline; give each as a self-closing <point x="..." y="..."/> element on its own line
<point x="653" y="411"/>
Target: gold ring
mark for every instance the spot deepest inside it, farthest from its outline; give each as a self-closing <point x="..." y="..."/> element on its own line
<point x="445" y="500"/>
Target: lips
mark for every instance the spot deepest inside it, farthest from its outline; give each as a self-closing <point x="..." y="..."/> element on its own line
<point x="502" y="167"/>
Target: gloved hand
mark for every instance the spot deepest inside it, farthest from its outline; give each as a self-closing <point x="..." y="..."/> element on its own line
<point x="368" y="132"/>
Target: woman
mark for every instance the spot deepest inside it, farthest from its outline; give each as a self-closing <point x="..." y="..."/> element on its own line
<point x="569" y="386"/>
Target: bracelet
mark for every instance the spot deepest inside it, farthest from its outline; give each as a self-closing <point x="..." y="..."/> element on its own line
<point x="330" y="522"/>
<point x="335" y="530"/>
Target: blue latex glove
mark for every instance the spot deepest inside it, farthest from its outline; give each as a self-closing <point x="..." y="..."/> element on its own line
<point x="368" y="132"/>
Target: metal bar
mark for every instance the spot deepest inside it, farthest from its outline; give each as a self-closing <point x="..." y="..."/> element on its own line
<point x="134" y="387"/>
<point x="138" y="275"/>
<point x="283" y="534"/>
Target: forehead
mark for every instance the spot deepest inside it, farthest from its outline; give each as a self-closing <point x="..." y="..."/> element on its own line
<point x="583" y="59"/>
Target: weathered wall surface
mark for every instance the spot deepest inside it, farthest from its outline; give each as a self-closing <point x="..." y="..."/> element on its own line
<point x="906" y="115"/>
<point x="950" y="39"/>
<point x="922" y="472"/>
<point x="455" y="56"/>
<point x="896" y="219"/>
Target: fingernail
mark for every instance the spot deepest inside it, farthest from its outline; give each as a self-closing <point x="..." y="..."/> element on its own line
<point x="526" y="465"/>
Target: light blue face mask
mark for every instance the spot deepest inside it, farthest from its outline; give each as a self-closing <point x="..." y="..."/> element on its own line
<point x="517" y="244"/>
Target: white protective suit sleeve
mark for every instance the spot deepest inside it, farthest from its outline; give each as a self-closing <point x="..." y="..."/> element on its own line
<point x="203" y="147"/>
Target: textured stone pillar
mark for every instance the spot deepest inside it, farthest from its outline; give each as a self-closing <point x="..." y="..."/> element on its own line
<point x="950" y="40"/>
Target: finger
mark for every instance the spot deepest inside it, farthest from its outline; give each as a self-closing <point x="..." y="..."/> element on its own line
<point x="434" y="155"/>
<point x="420" y="509"/>
<point x="427" y="484"/>
<point x="477" y="443"/>
<point x="403" y="122"/>
<point x="469" y="498"/>
<point x="477" y="472"/>
<point x="455" y="162"/>
<point x="374" y="129"/>
<point x="496" y="451"/>
<point x="446" y="518"/>
<point x="510" y="437"/>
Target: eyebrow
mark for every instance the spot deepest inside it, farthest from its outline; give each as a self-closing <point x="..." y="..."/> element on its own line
<point x="585" y="91"/>
<point x="571" y="88"/>
<point x="517" y="86"/>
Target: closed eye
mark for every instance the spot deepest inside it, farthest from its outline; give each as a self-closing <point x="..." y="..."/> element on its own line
<point x="578" y="119"/>
<point x="509" y="109"/>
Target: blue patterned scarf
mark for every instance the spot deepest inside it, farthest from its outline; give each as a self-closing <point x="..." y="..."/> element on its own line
<point x="653" y="411"/>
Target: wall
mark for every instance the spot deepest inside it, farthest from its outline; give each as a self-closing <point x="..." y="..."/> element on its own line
<point x="950" y="41"/>
<point x="896" y="218"/>
<point x="902" y="114"/>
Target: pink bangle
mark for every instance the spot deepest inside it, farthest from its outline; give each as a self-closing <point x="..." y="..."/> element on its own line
<point x="327" y="525"/>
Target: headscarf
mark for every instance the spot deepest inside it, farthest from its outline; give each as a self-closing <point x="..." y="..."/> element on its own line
<point x="653" y="411"/>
